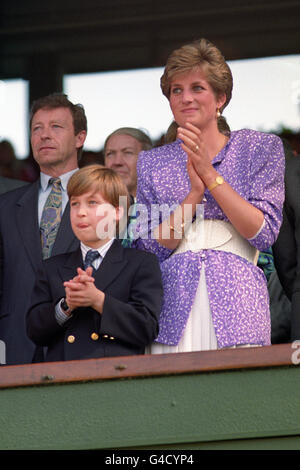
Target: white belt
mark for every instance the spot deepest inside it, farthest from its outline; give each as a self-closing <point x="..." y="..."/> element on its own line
<point x="208" y="234"/>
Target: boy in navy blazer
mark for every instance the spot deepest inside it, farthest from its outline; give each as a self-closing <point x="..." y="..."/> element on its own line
<point x="110" y="307"/>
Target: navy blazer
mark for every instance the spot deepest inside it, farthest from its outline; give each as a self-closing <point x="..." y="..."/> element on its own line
<point x="131" y="281"/>
<point x="287" y="246"/>
<point x="20" y="258"/>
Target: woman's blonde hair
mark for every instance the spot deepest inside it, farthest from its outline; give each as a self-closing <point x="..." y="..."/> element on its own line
<point x="203" y="54"/>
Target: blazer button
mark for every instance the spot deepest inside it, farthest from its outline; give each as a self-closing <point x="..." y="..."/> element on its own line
<point x="94" y="336"/>
<point x="71" y="339"/>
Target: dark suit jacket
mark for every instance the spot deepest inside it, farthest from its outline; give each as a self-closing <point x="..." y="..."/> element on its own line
<point x="20" y="257"/>
<point x="8" y="184"/>
<point x="132" y="284"/>
<point x="286" y="249"/>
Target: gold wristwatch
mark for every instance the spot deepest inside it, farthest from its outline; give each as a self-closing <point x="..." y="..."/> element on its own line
<point x="219" y="180"/>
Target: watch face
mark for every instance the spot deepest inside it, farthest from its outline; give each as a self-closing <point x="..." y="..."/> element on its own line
<point x="64" y="305"/>
<point x="219" y="179"/>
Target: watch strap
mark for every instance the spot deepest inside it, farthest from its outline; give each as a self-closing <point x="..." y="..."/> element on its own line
<point x="65" y="307"/>
<point x="218" y="181"/>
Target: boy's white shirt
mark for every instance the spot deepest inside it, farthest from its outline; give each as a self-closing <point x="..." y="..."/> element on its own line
<point x="102" y="250"/>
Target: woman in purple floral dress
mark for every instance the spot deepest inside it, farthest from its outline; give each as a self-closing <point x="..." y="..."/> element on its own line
<point x="213" y="201"/>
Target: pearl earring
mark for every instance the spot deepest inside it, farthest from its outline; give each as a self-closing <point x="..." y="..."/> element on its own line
<point x="218" y="113"/>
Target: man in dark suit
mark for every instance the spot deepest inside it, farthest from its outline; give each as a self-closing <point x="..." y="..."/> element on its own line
<point x="286" y="249"/>
<point x="58" y="131"/>
<point x="79" y="314"/>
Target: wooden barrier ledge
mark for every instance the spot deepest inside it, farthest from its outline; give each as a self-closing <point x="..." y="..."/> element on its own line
<point x="149" y="365"/>
<point x="244" y="398"/>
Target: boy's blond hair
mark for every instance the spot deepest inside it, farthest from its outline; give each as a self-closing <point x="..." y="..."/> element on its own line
<point x="99" y="178"/>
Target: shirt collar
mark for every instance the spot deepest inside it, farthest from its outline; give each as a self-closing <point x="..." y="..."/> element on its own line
<point x="102" y="250"/>
<point x="221" y="155"/>
<point x="44" y="179"/>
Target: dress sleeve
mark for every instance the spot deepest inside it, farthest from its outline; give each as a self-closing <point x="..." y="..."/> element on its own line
<point x="267" y="188"/>
<point x="147" y="201"/>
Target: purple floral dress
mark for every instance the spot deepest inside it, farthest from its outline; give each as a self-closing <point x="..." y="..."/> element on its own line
<point x="253" y="164"/>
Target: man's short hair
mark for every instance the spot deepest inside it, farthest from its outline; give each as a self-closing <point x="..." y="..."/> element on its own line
<point x="60" y="100"/>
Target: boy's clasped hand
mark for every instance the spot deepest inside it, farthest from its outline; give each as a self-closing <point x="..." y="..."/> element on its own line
<point x="82" y="292"/>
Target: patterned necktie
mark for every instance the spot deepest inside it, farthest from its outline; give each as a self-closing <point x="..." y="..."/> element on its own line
<point x="51" y="217"/>
<point x="90" y="258"/>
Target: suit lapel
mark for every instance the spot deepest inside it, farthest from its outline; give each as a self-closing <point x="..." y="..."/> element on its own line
<point x="28" y="226"/>
<point x="65" y="238"/>
<point x="109" y="269"/>
<point x="111" y="266"/>
<point x="27" y="223"/>
<point x="69" y="269"/>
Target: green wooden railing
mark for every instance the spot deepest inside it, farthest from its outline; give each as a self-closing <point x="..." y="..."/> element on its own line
<point x="227" y="399"/>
